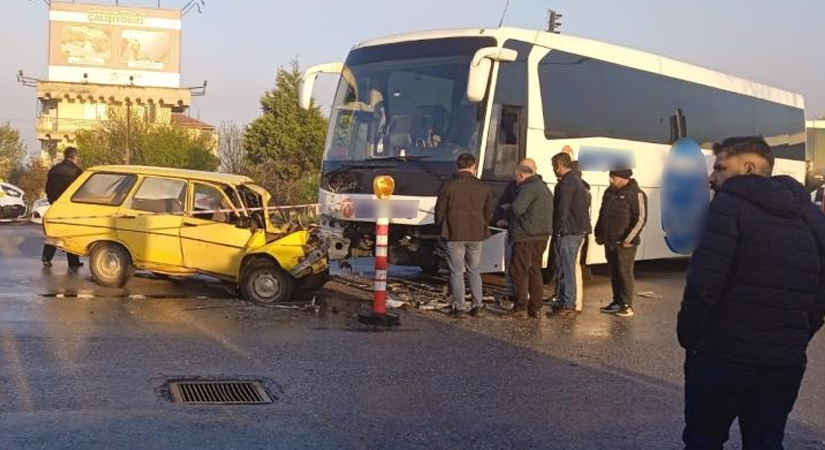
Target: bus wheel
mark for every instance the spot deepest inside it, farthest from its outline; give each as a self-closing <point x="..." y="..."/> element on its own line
<point x="110" y="264"/>
<point x="265" y="283"/>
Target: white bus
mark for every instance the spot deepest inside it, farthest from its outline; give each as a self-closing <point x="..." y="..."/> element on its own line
<point x="408" y="105"/>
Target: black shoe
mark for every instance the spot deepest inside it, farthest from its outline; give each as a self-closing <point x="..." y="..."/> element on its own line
<point x="534" y="314"/>
<point x="47" y="263"/>
<point x="553" y="302"/>
<point x="612" y="308"/>
<point x="456" y="313"/>
<point x="76" y="266"/>
<point x="475" y="311"/>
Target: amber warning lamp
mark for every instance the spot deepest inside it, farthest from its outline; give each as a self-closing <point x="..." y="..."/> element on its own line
<point x="383" y="186"/>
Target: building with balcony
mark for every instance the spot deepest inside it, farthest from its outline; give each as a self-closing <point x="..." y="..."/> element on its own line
<point x="65" y="108"/>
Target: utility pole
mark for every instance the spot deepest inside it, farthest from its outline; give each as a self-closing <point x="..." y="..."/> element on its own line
<point x="128" y="129"/>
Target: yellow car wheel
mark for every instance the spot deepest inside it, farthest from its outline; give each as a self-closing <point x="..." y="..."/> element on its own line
<point x="264" y="282"/>
<point x="110" y="264"/>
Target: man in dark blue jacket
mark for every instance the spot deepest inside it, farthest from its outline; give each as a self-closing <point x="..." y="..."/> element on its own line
<point x="571" y="225"/>
<point x="754" y="298"/>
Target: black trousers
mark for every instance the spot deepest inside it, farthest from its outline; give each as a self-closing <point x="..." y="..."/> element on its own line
<point x="48" y="255"/>
<point x="718" y="392"/>
<point x="620" y="261"/>
<point x="526" y="274"/>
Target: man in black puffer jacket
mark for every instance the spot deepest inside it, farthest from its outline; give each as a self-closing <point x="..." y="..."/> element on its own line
<point x="754" y="298"/>
<point x="622" y="217"/>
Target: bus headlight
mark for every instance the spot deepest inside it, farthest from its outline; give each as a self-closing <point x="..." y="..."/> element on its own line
<point x="383" y="186"/>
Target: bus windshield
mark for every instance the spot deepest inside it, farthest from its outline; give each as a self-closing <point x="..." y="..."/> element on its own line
<point x="406" y="101"/>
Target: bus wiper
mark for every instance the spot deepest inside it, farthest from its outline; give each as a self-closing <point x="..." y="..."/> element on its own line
<point x="346" y="166"/>
<point x="401" y="158"/>
<point x="413" y="158"/>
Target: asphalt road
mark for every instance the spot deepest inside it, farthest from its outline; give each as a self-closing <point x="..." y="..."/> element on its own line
<point x="83" y="367"/>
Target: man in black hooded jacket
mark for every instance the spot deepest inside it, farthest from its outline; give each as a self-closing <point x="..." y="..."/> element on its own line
<point x="60" y="177"/>
<point x="755" y="297"/>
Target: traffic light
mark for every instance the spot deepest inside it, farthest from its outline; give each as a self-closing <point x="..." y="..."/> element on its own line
<point x="553" y="21"/>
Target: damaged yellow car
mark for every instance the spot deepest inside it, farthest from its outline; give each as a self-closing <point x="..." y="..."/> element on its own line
<point x="181" y="222"/>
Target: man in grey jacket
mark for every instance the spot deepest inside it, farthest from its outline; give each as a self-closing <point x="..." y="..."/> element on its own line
<point x="530" y="226"/>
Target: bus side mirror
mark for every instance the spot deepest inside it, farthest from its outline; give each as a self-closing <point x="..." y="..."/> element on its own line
<point x="307" y="81"/>
<point x="479" y="75"/>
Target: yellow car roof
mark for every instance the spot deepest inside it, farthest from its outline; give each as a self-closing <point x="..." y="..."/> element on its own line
<point x="216" y="177"/>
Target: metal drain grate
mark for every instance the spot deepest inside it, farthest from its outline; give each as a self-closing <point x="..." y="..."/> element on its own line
<point x="219" y="393"/>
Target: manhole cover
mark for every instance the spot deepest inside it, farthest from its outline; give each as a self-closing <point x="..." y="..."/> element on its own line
<point x="219" y="392"/>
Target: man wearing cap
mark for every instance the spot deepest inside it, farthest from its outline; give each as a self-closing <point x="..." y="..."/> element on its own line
<point x="530" y="225"/>
<point x="622" y="217"/>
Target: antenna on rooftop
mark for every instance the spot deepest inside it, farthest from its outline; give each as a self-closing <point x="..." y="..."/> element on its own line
<point x="503" y="14"/>
<point x="193" y="4"/>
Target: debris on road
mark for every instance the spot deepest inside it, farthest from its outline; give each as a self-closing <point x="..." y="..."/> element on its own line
<point x="649" y="294"/>
<point x="424" y="294"/>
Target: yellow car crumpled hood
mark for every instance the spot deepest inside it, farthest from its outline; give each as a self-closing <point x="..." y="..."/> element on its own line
<point x="298" y="253"/>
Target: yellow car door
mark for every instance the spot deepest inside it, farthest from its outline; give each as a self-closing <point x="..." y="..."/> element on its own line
<point x="211" y="241"/>
<point x="149" y="223"/>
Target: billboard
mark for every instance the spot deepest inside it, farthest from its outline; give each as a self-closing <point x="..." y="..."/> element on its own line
<point x="114" y="44"/>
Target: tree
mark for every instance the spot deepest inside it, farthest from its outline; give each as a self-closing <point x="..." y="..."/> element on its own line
<point x="12" y="149"/>
<point x="285" y="144"/>
<point x="31" y="178"/>
<point x="230" y="148"/>
<point x="170" y="146"/>
<point x="146" y="144"/>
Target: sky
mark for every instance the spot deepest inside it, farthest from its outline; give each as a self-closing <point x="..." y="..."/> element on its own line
<point x="238" y="45"/>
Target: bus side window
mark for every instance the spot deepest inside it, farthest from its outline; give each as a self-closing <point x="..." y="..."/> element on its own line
<point x="502" y="155"/>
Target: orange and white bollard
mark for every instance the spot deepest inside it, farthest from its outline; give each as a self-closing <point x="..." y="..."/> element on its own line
<point x="379" y="296"/>
<point x="383" y="187"/>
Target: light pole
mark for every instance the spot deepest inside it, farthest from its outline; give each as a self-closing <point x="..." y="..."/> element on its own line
<point x="128" y="129"/>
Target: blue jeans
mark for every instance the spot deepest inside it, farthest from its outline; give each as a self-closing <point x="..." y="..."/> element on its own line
<point x="568" y="271"/>
<point x="464" y="256"/>
<point x="717" y="392"/>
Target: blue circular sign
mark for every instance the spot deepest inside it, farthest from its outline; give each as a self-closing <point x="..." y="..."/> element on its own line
<point x="685" y="196"/>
